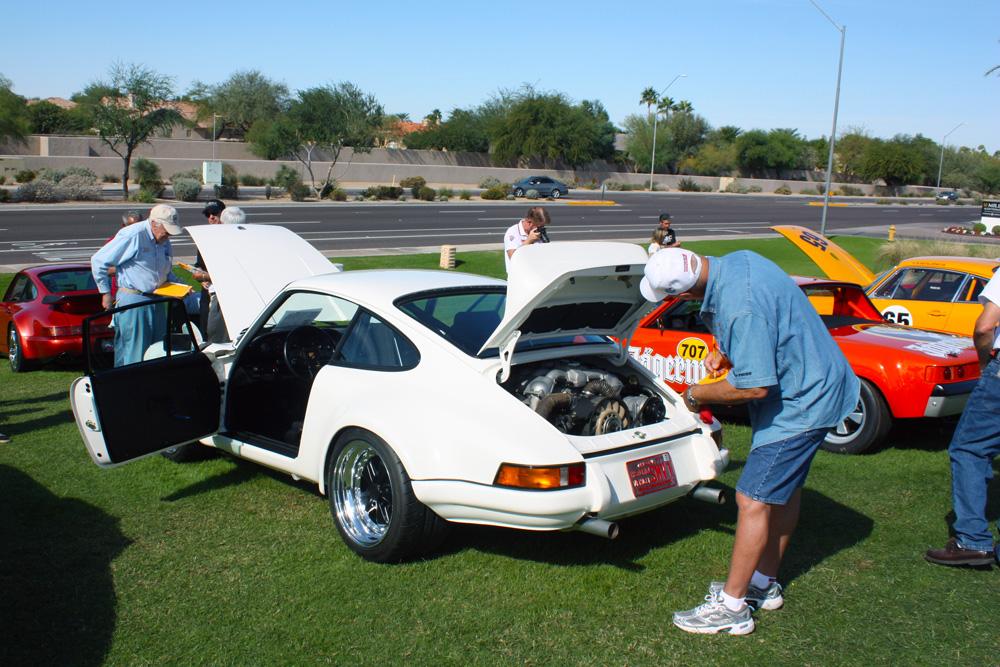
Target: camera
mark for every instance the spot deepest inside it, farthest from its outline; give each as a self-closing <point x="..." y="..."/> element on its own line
<point x="543" y="235"/>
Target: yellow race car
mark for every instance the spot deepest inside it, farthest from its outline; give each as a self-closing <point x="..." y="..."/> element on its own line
<point x="937" y="293"/>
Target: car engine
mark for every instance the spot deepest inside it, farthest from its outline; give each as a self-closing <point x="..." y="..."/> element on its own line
<point x="584" y="399"/>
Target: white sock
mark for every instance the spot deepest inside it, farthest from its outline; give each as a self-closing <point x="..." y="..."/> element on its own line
<point x="761" y="581"/>
<point x="732" y="604"/>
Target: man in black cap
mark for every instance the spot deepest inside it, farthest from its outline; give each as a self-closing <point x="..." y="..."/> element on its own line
<point x="669" y="236"/>
<point x="213" y="213"/>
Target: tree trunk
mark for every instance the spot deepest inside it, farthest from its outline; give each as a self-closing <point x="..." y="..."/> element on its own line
<point x="126" y="162"/>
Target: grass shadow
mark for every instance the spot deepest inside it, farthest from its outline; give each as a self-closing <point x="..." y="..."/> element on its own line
<point x="928" y="435"/>
<point x="59" y="600"/>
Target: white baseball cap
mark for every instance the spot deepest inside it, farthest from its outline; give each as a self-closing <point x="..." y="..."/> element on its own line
<point x="670" y="272"/>
<point x="166" y="216"/>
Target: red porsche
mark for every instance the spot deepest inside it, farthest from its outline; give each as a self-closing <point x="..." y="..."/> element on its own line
<point x="904" y="372"/>
<point x="42" y="313"/>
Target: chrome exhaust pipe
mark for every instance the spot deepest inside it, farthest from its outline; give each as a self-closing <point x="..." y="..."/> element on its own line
<point x="598" y="527"/>
<point x="709" y="495"/>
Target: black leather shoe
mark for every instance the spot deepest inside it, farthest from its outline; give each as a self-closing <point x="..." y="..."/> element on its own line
<point x="955" y="554"/>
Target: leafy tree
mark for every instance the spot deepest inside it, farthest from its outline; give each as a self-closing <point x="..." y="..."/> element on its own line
<point x="325" y="118"/>
<point x="665" y="105"/>
<point x="891" y="161"/>
<point x="14" y="119"/>
<point x="711" y="159"/>
<point x="136" y="106"/>
<point x="639" y="143"/>
<point x="47" y="118"/>
<point x="725" y="135"/>
<point x="547" y="127"/>
<point x="649" y="97"/>
<point x="465" y="130"/>
<point x="779" y="149"/>
<point x="684" y="107"/>
<point x="849" y="152"/>
<point x="987" y="178"/>
<point x="243" y="99"/>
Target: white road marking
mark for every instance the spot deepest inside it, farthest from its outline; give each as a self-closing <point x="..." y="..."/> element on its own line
<point x="890" y="211"/>
<point x="614" y="210"/>
<point x="511" y="218"/>
<point x="265" y="213"/>
<point x="466" y="211"/>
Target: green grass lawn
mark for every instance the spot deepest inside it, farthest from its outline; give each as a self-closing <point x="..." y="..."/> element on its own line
<point x="223" y="562"/>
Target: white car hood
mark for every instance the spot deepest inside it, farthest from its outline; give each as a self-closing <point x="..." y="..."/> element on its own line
<point x="572" y="288"/>
<point x="250" y="264"/>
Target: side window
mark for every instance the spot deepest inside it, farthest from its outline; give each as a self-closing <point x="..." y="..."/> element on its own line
<point x="937" y="286"/>
<point x="887" y="290"/>
<point x="308" y="308"/>
<point x="971" y="293"/>
<point x="16" y="289"/>
<point x="372" y="343"/>
<point x="138" y="333"/>
<point x="684" y="316"/>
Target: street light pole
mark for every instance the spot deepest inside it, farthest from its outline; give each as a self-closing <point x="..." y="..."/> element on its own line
<point x="214" y="116"/>
<point x="836" y="107"/>
<point x="941" y="161"/>
<point x="656" y="115"/>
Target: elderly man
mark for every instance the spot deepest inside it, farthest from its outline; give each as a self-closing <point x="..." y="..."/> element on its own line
<point x="797" y="385"/>
<point x="142" y="256"/>
<point x="528" y="230"/>
<point x="211" y="322"/>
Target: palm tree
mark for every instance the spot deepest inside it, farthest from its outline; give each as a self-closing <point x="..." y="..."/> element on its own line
<point x="433" y="118"/>
<point x="649" y="98"/>
<point x="666" y="105"/>
<point x="684" y="107"/>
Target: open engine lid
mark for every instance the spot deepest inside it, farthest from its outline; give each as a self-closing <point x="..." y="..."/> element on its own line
<point x="571" y="288"/>
<point x="250" y="264"/>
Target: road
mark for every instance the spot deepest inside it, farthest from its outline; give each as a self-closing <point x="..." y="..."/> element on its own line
<point x="35" y="235"/>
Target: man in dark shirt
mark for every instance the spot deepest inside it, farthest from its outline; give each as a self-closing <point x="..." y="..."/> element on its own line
<point x="670" y="237"/>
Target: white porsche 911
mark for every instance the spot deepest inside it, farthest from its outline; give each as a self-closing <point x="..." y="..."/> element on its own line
<point x="413" y="398"/>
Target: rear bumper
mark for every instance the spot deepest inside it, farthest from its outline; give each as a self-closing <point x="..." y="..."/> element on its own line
<point x="949" y="399"/>
<point x="45" y="347"/>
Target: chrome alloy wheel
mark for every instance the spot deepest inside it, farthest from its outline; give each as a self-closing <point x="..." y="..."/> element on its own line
<point x="850" y="427"/>
<point x="362" y="493"/>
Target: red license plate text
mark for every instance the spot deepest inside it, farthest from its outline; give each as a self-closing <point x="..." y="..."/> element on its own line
<point x="651" y="474"/>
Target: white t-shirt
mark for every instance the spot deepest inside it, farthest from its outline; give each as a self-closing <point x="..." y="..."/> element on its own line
<point x="992" y="293"/>
<point x="513" y="239"/>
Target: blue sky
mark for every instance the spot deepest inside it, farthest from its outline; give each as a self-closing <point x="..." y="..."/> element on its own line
<point x="909" y="66"/>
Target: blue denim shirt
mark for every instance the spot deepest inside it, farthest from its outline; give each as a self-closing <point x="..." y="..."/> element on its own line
<point x="774" y="338"/>
<point x="141" y="263"/>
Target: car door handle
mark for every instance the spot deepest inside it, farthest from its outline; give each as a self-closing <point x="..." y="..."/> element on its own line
<point x="937" y="313"/>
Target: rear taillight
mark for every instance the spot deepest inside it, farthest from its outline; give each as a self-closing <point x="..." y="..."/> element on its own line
<point x="56" y="332"/>
<point x="541" y="477"/>
<point x="955" y="373"/>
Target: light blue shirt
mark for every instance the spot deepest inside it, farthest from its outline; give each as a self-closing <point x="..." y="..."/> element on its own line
<point x="141" y="263"/>
<point x="767" y="328"/>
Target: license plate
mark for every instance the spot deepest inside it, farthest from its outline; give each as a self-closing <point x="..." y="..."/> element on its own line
<point x="651" y="474"/>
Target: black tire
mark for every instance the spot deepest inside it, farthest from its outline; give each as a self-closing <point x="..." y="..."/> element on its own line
<point x="372" y="502"/>
<point x="518" y="192"/>
<point x="863" y="429"/>
<point x="556" y="194"/>
<point x="15" y="352"/>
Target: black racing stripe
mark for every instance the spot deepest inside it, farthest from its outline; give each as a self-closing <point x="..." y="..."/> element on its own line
<point x="641" y="444"/>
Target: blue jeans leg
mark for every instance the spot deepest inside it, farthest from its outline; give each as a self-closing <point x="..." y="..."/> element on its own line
<point x="973" y="447"/>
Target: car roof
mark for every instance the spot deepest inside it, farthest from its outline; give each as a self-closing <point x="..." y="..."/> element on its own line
<point x="383" y="286"/>
<point x="980" y="266"/>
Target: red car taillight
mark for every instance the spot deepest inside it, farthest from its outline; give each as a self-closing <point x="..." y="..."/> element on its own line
<point x="955" y="373"/>
<point x="55" y="332"/>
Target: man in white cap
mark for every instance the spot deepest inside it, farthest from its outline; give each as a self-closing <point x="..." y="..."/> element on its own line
<point x="142" y="256"/>
<point x="797" y="385"/>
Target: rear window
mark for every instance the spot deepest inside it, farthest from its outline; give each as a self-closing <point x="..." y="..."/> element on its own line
<point x="75" y="280"/>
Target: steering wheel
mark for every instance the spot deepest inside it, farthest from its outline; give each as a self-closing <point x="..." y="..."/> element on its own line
<point x="307" y="349"/>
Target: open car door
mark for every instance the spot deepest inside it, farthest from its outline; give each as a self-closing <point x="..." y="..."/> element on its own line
<point x="148" y="389"/>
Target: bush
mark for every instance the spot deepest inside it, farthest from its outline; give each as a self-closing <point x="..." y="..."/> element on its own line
<point x="447" y="193"/>
<point x="808" y="191"/>
<point x="190" y="174"/>
<point x="401" y="198"/>
<point x="510" y="197"/>
<point x="24" y="176"/>
<point x="337" y="194"/>
<point x="187" y="189"/>
<point x="465" y="195"/>
<point x="736" y="188"/>
<point x="46" y="174"/>
<point x="143" y="197"/>
<point x="286" y="177"/>
<point x="412" y="182"/>
<point x="3" y="179"/>
<point x="531" y="194"/>
<point x="755" y="188"/>
<point x="884" y="201"/>
<point x="82" y="172"/>
<point x="942" y="202"/>
<point x="851" y="191"/>
<point x="821" y="188"/>
<point x="230" y="188"/>
<point x="426" y="194"/>
<point x="80" y="187"/>
<point x="267" y="191"/>
<point x="979" y="228"/>
<point x="4" y="195"/>
<point x="995" y="231"/>
<point x="38" y="190"/>
<point x="489" y="183"/>
<point x="299" y="191"/>
<point x="147" y="174"/>
<point x="688" y="185"/>
<point x="782" y="190"/>
<point x="109" y="178"/>
<point x="251" y="180"/>
<point x="495" y="192"/>
<point x="382" y="192"/>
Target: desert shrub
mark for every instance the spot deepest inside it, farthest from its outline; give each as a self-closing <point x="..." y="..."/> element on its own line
<point x="821" y="188"/>
<point x="286" y="177"/>
<point x="147" y="174"/>
<point x="943" y="202"/>
<point x="187" y="189"/>
<point x="46" y="174"/>
<point x="3" y="179"/>
<point x="510" y="197"/>
<point x="447" y="193"/>
<point x="995" y="231"/>
<point x="24" y="176"/>
<point x="79" y="187"/>
<point x="337" y="194"/>
<point x="736" y="188"/>
<point x="755" y="188"/>
<point x="230" y="188"/>
<point x="299" y="191"/>
<point x="143" y="197"/>
<point x="465" y="195"/>
<point x="382" y="192"/>
<point x="495" y="192"/>
<point x="251" y="180"/>
<point x="267" y="191"/>
<point x="782" y="190"/>
<point x="82" y="172"/>
<point x="37" y="190"/>
<point x="441" y="198"/>
<point x="402" y="198"/>
<point x="109" y="178"/>
<point x="489" y="183"/>
<point x="411" y="182"/>
<point x="979" y="228"/>
<point x="426" y="194"/>
<point x="808" y="191"/>
<point x="190" y="174"/>
<point x="531" y="194"/>
<point x="851" y="191"/>
<point x="688" y="185"/>
<point x="884" y="202"/>
<point x="4" y="196"/>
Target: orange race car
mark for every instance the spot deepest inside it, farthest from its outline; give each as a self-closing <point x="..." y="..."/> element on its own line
<point x="939" y="293"/>
<point x="904" y="372"/>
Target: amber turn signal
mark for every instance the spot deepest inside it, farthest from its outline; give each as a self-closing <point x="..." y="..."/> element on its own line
<point x="541" y="477"/>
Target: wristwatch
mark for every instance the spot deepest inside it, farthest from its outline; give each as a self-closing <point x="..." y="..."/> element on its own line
<point x="690" y="401"/>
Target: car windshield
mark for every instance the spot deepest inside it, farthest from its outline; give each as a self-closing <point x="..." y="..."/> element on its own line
<point x="74" y="280"/>
<point x="468" y="317"/>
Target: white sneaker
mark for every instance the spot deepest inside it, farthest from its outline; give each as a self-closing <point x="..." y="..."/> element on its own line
<point x="713" y="617"/>
<point x="768" y="600"/>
